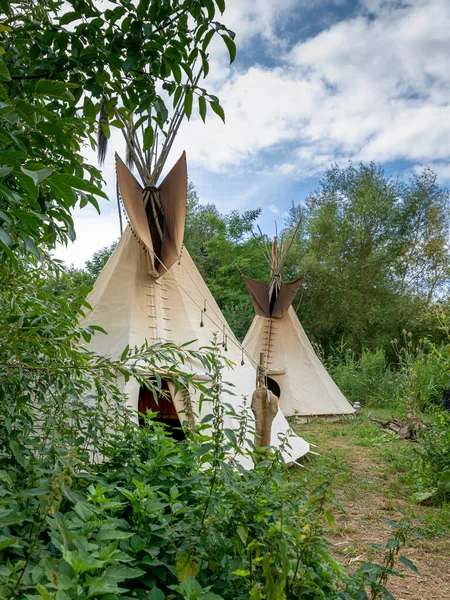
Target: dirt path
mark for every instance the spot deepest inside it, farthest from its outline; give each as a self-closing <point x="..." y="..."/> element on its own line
<point x="370" y="473"/>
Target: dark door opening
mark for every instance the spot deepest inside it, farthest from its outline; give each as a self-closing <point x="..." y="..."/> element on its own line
<point x="273" y="386"/>
<point x="165" y="408"/>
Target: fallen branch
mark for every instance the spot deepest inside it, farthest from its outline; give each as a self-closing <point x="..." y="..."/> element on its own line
<point x="406" y="430"/>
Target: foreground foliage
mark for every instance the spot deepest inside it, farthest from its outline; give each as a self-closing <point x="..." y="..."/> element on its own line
<point x="91" y="505"/>
<point x="432" y="470"/>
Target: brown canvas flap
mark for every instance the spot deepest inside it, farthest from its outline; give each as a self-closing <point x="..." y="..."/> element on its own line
<point x="259" y="294"/>
<point x="131" y="194"/>
<point x="286" y="297"/>
<point x="173" y="197"/>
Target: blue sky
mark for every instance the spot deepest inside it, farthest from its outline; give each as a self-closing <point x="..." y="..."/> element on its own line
<point x="314" y="82"/>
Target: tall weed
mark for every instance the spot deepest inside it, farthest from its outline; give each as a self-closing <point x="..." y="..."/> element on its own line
<point x="413" y="383"/>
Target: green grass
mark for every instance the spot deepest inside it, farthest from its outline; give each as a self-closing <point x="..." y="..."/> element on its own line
<point x="369" y="468"/>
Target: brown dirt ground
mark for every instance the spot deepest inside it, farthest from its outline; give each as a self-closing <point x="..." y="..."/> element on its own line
<point x="365" y="495"/>
<point x="362" y="525"/>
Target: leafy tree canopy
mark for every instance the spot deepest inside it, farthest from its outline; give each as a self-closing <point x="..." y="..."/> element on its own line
<point x="71" y="69"/>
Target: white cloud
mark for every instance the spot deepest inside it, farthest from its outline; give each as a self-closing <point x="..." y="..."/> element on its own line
<point x="369" y="88"/>
<point x="273" y="208"/>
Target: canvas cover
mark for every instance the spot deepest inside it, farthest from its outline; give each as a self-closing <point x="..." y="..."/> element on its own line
<point x="260" y="296"/>
<point x="133" y="307"/>
<point x="306" y="387"/>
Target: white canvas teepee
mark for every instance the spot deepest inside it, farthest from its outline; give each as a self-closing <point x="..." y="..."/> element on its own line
<point x="293" y="370"/>
<point x="151" y="291"/>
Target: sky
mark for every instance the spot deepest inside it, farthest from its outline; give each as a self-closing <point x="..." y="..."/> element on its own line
<point x="315" y="82"/>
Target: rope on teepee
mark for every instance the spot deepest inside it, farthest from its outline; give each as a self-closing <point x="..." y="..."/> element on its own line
<point x="208" y="316"/>
<point x="206" y="304"/>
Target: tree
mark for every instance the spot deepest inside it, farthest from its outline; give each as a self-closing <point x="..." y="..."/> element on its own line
<point x="374" y="253"/>
<point x="71" y="69"/>
<point x="424" y="265"/>
<point x="98" y="261"/>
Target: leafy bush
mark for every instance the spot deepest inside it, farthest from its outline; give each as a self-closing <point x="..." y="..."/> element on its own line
<point x="432" y="469"/>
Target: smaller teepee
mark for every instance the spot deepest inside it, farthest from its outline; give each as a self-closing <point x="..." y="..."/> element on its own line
<point x="293" y="371"/>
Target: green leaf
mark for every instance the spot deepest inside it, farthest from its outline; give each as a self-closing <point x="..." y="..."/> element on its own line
<point x="30" y="246"/>
<point x="4" y="73"/>
<point x="444" y="481"/>
<point x="43" y="593"/>
<point x="7" y="541"/>
<point x="328" y="516"/>
<point x="161" y="109"/>
<point x="105" y="128"/>
<point x="148" y="137"/>
<point x="5" y="477"/>
<point x="5" y="171"/>
<point x="186" y="566"/>
<point x="242" y="533"/>
<point x="130" y="63"/>
<point x="54" y="89"/>
<point x="218" y="110"/>
<point x="26" y="112"/>
<point x="370" y="570"/>
<point x="76" y="183"/>
<point x="408" y="563"/>
<point x="37" y="176"/>
<point x="156" y="594"/>
<point x="28" y="186"/>
<point x="89" y="108"/>
<point x="124" y="354"/>
<point x="123" y="572"/>
<point x="176" y="72"/>
<point x="231" y="47"/>
<point x="62" y="190"/>
<point x="241" y="572"/>
<point x="177" y="95"/>
<point x="4" y="27"/>
<point x="108" y="532"/>
<point x="207" y="39"/>
<point x="69" y="17"/>
<point x="188" y="103"/>
<point x="210" y="8"/>
<point x="221" y="5"/>
<point x="202" y="107"/>
<point x="5" y="238"/>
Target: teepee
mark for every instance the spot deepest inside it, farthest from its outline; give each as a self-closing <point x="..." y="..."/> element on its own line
<point x="276" y="337"/>
<point x="151" y="291"/>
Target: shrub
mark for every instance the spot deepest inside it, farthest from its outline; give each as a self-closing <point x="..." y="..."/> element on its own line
<point x="414" y="383"/>
<point x="432" y="469"/>
<point x="367" y="379"/>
